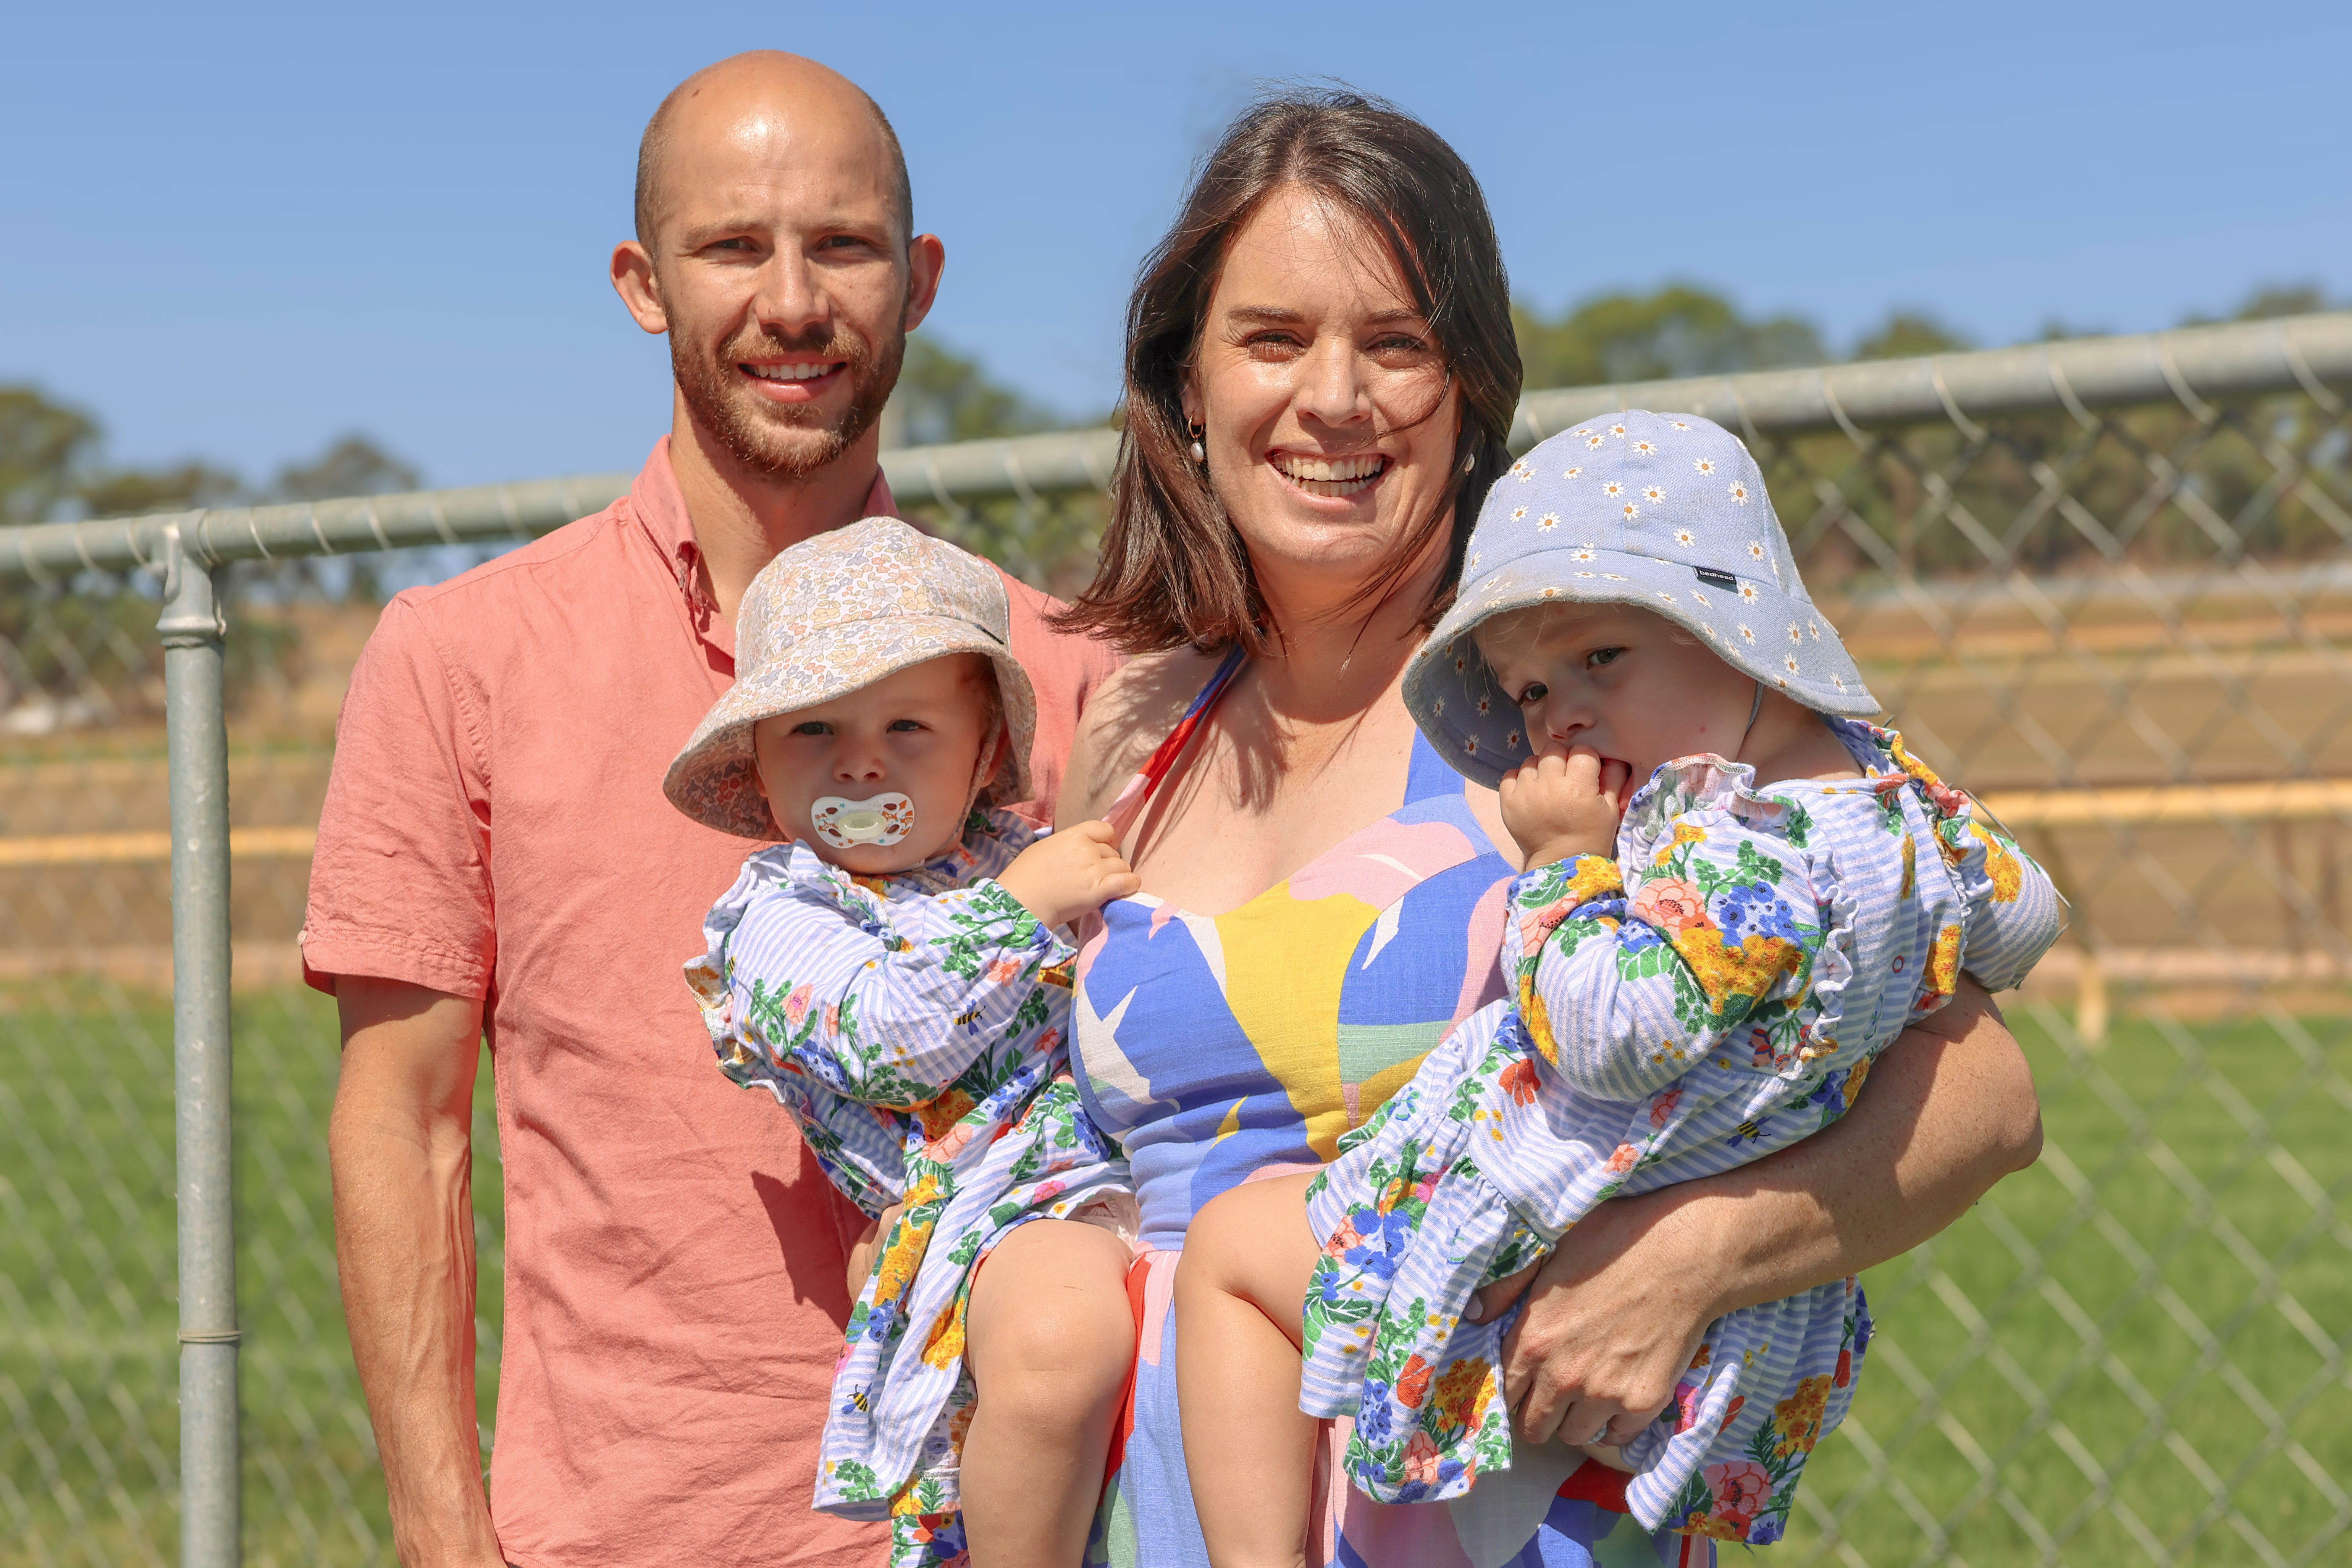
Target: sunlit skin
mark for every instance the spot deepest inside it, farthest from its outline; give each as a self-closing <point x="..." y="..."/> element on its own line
<point x="931" y="733"/>
<point x="777" y="247"/>
<point x="1610" y="693"/>
<point x="1312" y="352"/>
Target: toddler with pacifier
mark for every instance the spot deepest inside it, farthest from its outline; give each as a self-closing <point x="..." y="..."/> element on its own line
<point x="896" y="976"/>
<point x="1737" y="892"/>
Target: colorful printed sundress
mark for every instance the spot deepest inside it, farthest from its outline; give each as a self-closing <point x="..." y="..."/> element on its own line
<point x="916" y="1026"/>
<point x="1218" y="1048"/>
<point x="1716" y="993"/>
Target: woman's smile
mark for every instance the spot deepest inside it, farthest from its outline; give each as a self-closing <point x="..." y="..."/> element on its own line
<point x="1334" y="478"/>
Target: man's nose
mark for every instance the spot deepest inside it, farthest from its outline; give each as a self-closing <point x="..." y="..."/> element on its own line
<point x="791" y="300"/>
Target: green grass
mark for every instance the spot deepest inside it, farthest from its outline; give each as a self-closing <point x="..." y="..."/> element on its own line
<point x="88" y="1363"/>
<point x="2157" y="1210"/>
<point x="2161" y="1306"/>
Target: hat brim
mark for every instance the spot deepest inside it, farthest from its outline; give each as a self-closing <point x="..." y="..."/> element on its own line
<point x="715" y="777"/>
<point x="1755" y="626"/>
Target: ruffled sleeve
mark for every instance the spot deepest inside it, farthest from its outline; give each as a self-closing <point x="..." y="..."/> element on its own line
<point x="1705" y="933"/>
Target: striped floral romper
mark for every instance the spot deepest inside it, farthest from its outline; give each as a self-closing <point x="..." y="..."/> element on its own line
<point x="1716" y="992"/>
<point x="916" y="1026"/>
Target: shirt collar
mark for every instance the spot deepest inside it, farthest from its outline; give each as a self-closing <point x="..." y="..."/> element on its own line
<point x="660" y="508"/>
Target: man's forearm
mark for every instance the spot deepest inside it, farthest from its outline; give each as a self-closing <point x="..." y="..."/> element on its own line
<point x="1948" y="1110"/>
<point x="401" y="1148"/>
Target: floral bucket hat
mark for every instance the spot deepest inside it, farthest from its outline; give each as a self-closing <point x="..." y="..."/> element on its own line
<point x="1663" y="511"/>
<point x="834" y="614"/>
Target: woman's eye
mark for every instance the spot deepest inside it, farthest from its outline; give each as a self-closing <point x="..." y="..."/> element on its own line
<point x="1535" y="693"/>
<point x="1602" y="656"/>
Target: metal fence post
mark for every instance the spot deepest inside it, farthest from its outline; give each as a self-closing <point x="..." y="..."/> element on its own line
<point x="192" y="632"/>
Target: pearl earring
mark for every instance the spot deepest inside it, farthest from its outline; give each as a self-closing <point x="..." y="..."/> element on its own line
<point x="1200" y="453"/>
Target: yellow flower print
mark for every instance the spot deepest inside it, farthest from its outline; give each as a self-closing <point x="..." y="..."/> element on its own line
<point x="1612" y="489"/>
<point x="1749" y="970"/>
<point x="1689" y="833"/>
<point x="2001" y="865"/>
<point x="1705" y="465"/>
<point x="945" y="1345"/>
<point x="904" y="1253"/>
<point x="1738" y="492"/>
<point x="1572" y="473"/>
<point x="1910" y="867"/>
<point x="1547" y="522"/>
<point x="936" y="1116"/>
<point x="1645" y="447"/>
<point x="1463" y="1392"/>
<point x="1653" y="495"/>
<point x="1518" y="512"/>
<point x="1942" y="966"/>
<point x="1798" y="1418"/>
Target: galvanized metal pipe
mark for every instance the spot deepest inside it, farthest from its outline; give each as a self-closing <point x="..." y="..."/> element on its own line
<point x="2312" y="354"/>
<point x="192" y="632"/>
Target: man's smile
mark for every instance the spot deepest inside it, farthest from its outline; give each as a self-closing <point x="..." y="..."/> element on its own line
<point x="792" y="381"/>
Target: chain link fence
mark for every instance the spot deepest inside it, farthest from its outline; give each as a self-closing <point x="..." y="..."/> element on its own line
<point x="2106" y="585"/>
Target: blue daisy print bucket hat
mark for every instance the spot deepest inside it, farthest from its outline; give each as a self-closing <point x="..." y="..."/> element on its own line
<point x="1666" y="512"/>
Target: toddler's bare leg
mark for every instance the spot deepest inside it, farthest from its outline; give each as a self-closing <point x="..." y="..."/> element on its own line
<point x="1241" y="1291"/>
<point x="1050" y="1340"/>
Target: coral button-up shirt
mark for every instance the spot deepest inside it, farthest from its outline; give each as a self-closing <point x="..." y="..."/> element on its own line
<point x="495" y="828"/>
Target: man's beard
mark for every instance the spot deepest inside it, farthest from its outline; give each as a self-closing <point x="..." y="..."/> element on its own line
<point x="777" y="440"/>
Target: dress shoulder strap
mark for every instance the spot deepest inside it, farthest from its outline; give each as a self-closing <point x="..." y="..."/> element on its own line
<point x="1139" y="790"/>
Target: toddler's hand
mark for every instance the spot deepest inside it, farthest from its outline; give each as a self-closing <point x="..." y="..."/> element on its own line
<point x="1070" y="871"/>
<point x="1558" y="807"/>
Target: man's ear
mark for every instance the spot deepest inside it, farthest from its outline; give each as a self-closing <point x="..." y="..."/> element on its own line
<point x="633" y="281"/>
<point x="926" y="260"/>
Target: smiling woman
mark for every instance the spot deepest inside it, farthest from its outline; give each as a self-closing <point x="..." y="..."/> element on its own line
<point x="1404" y="361"/>
<point x="1320" y="377"/>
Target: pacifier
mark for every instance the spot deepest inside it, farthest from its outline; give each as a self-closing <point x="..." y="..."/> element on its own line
<point x="845" y="824"/>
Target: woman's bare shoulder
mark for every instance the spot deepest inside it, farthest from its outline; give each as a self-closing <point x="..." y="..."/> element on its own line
<point x="1125" y="719"/>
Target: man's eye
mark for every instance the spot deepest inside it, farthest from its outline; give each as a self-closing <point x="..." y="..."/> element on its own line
<point x="1534" y="693"/>
<point x="1602" y="656"/>
<point x="813" y="726"/>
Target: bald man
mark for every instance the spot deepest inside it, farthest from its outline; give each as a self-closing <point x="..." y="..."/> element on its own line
<point x="496" y="860"/>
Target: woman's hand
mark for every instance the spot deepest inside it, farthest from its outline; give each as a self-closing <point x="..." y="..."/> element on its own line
<point x="1615" y="1313"/>
<point x="1559" y="806"/>
<point x="1613" y="1319"/>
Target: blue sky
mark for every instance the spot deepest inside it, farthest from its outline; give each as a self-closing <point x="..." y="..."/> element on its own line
<point x="236" y="231"/>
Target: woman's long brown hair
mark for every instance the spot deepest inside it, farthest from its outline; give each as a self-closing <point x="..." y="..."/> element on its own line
<point x="1173" y="572"/>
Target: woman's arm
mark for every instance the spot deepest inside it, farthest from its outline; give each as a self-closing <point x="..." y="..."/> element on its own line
<point x="1616" y="1313"/>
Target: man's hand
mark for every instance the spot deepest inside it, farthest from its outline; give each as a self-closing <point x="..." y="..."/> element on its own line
<point x="1558" y="807"/>
<point x="401" y="1145"/>
<point x="1070" y="872"/>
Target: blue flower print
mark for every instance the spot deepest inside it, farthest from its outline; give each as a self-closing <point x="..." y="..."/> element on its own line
<point x="1753" y="908"/>
<point x="1635" y="935"/>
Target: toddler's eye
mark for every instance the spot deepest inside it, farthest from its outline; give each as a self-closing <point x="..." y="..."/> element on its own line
<point x="811" y="727"/>
<point x="1602" y="656"/>
<point x="905" y="726"/>
<point x="1535" y="693"/>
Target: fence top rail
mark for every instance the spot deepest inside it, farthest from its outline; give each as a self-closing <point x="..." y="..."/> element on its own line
<point x="2188" y="365"/>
